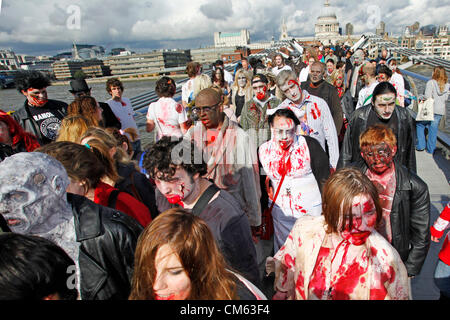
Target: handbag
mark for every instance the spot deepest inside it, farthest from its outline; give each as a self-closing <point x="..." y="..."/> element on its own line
<point x="267" y="220"/>
<point x="425" y="110"/>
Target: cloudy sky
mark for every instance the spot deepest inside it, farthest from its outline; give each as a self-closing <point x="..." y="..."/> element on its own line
<point x="50" y="26"/>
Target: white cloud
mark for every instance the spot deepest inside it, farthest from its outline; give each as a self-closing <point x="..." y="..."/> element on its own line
<point x="165" y="21"/>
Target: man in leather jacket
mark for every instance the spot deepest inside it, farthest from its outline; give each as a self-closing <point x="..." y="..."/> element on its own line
<point x="397" y="118"/>
<point x="101" y="241"/>
<point x="404" y="197"/>
<point x="39" y="115"/>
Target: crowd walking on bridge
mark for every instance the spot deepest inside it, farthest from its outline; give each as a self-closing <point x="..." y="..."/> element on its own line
<point x="313" y="152"/>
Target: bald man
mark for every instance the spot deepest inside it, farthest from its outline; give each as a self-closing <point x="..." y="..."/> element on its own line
<point x="229" y="152"/>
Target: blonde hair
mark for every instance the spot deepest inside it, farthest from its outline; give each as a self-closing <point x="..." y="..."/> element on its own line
<point x="440" y="76"/>
<point x="73" y="127"/>
<point x="201" y="82"/>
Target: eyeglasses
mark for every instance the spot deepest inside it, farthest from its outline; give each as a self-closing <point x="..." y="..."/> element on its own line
<point x="206" y="109"/>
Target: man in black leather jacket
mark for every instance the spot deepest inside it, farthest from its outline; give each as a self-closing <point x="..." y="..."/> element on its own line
<point x="101" y="240"/>
<point x="399" y="119"/>
<point x="404" y="197"/>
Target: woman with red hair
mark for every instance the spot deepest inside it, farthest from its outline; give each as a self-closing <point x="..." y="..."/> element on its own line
<point x="13" y="139"/>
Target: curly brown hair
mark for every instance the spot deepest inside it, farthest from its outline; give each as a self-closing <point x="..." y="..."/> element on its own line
<point x="163" y="158"/>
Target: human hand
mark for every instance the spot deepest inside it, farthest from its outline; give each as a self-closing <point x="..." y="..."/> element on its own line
<point x="280" y="295"/>
<point x="434" y="239"/>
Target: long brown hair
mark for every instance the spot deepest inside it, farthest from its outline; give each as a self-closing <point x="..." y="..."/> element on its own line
<point x="190" y="237"/>
<point x="440" y="76"/>
<point x="85" y="106"/>
<point x="338" y="193"/>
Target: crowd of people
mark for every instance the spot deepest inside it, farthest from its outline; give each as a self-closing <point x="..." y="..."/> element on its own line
<point x="314" y="152"/>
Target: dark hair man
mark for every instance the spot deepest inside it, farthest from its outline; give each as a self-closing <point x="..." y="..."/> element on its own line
<point x="177" y="167"/>
<point x="79" y="88"/>
<point x="38" y="115"/>
<point x="382" y="110"/>
<point x="122" y="109"/>
<point x="254" y="112"/>
<point x="34" y="268"/>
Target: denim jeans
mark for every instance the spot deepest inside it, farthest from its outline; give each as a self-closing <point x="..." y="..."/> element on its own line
<point x="442" y="277"/>
<point x="136" y="146"/>
<point x="430" y="143"/>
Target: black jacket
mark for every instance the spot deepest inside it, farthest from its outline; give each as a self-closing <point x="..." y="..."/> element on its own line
<point x="406" y="137"/>
<point x="7" y="150"/>
<point x="26" y="121"/>
<point x="109" y="118"/>
<point x="107" y="240"/>
<point x="320" y="164"/>
<point x="410" y="217"/>
<point x="137" y="185"/>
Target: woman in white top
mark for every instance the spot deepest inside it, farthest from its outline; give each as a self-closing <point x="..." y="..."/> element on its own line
<point x="438" y="89"/>
<point x="167" y="115"/>
<point x="193" y="69"/>
<point x="241" y="91"/>
<point x="305" y="71"/>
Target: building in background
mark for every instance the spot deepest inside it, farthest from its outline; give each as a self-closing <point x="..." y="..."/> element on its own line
<point x="9" y="60"/>
<point x="327" y="28"/>
<point x="231" y="39"/>
<point x="152" y="62"/>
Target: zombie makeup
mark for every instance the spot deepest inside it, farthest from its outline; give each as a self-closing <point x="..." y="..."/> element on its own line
<point x="178" y="188"/>
<point x="36" y="97"/>
<point x="171" y="281"/>
<point x="292" y="91"/>
<point x="316" y="73"/>
<point x="382" y="77"/>
<point x="379" y="158"/>
<point x="384" y="105"/>
<point x="241" y="81"/>
<point x="283" y="131"/>
<point x="260" y="90"/>
<point x="363" y="220"/>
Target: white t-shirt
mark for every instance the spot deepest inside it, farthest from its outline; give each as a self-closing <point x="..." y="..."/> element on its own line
<point x="365" y="95"/>
<point x="187" y="90"/>
<point x="303" y="75"/>
<point x="124" y="113"/>
<point x="277" y="70"/>
<point x="167" y="115"/>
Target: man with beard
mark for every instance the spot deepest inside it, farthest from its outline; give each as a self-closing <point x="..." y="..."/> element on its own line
<point x="38" y="115"/>
<point x="178" y="169"/>
<point x="404" y="197"/>
<point x="317" y="86"/>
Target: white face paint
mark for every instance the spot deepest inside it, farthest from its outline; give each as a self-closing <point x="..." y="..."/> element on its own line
<point x="241" y="81"/>
<point x="292" y="91"/>
<point x="384" y="105"/>
<point x="283" y="131"/>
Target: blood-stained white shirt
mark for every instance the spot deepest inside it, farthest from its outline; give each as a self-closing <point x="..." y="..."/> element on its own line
<point x="316" y="121"/>
<point x="312" y="265"/>
<point x="168" y="115"/>
<point x="299" y="193"/>
<point x="123" y="110"/>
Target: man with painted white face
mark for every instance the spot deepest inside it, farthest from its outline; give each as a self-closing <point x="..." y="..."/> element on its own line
<point x="298" y="166"/>
<point x="313" y="112"/>
<point x="229" y="153"/>
<point x="100" y="240"/>
<point x="178" y="168"/>
<point x="317" y="86"/>
<point x="382" y="110"/>
<point x="38" y="115"/>
<point x="404" y="197"/>
<point x="254" y="113"/>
